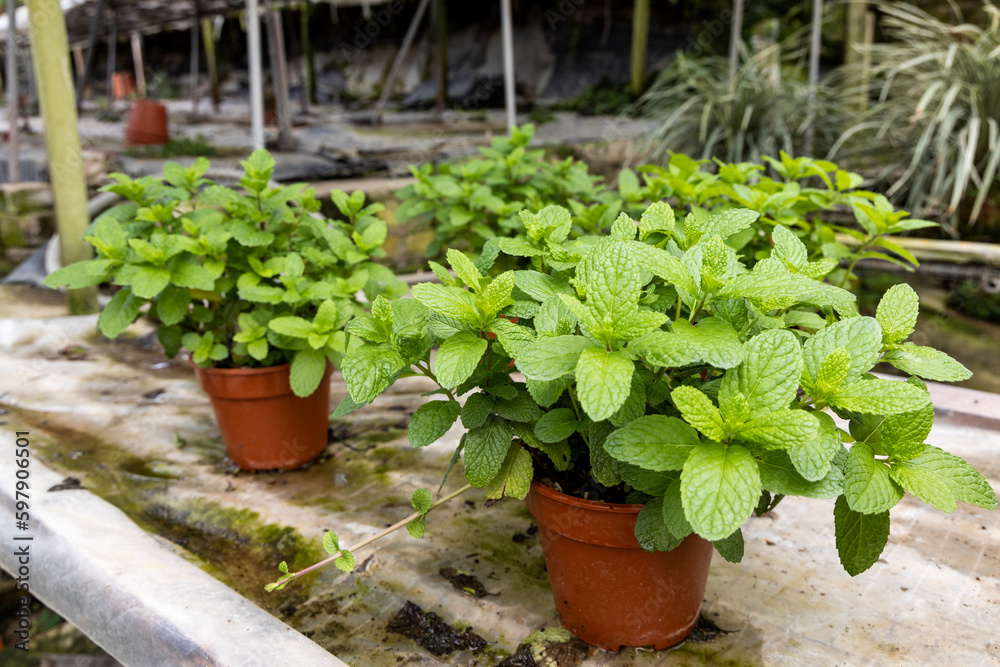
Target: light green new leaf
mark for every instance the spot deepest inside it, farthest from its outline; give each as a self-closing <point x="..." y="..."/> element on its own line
<point x="308" y="367"/>
<point x="431" y="421"/>
<point x="150" y="281"/>
<point x="296" y="327"/>
<point x="769" y="375"/>
<point x="860" y="537"/>
<point x="512" y="337"/>
<point x="813" y="458"/>
<point x="779" y="475"/>
<point x="926" y="475"/>
<point x="880" y="397"/>
<point x="720" y="487"/>
<point x="789" y="247"/>
<point x="551" y="358"/>
<point x="496" y="296"/>
<point x="781" y="429"/>
<point x="369" y="370"/>
<point x="613" y="285"/>
<point x="604" y="380"/>
<point x="457" y="358"/>
<point x="699" y="411"/>
<point x="653" y="442"/>
<point x="897" y="313"/>
<point x="868" y="487"/>
<point x="486" y="449"/>
<point x="540" y="286"/>
<point x="452" y="302"/>
<point x="514" y="478"/>
<point x="926" y="362"/>
<point x="465" y="269"/>
<point x="860" y="336"/>
<point x="718" y="343"/>
<point x="658" y="217"/>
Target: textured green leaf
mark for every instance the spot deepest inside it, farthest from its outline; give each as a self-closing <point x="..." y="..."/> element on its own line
<point x="731" y="548"/>
<point x="813" y="458"/>
<point x="476" y="409"/>
<point x="903" y="435"/>
<point x="551" y="358"/>
<point x="520" y="408"/>
<point x="926" y="475"/>
<point x="556" y="425"/>
<point x="720" y="487"/>
<point x="296" y="327"/>
<point x="485" y="450"/>
<point x="369" y="370"/>
<point x="699" y="411"/>
<point x="860" y="537"/>
<point x="881" y="397"/>
<point x="546" y="392"/>
<point x="833" y="371"/>
<point x="308" y="367"/>
<point x="868" y="487"/>
<point x="897" y="313"/>
<point x="860" y="336"/>
<point x="658" y="217"/>
<point x="926" y="362"/>
<point x="653" y="442"/>
<point x="673" y="511"/>
<point x="150" y="281"/>
<point x="603" y="380"/>
<point x="769" y="375"/>
<point x="172" y="305"/>
<point x="612" y="277"/>
<point x="330" y="542"/>
<point x="496" y="296"/>
<point x="779" y="475"/>
<point x="452" y="302"/>
<point x="346" y="562"/>
<point x="541" y="286"/>
<point x="431" y="421"/>
<point x="650" y="531"/>
<point x="457" y="358"/>
<point x="465" y="269"/>
<point x="650" y="482"/>
<point x="664" y="265"/>
<point x="193" y="276"/>
<point x="781" y="429"/>
<point x="770" y="289"/>
<point x="512" y="337"/>
<point x="727" y="222"/>
<point x="514" y="478"/>
<point x="558" y="452"/>
<point x="77" y="275"/>
<point x="789" y="247"/>
<point x="417" y="527"/>
<point x="120" y="312"/>
<point x="717" y="342"/>
<point x="634" y="405"/>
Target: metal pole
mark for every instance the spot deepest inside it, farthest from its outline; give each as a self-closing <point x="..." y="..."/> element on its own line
<point x="814" y="47"/>
<point x="400" y="55"/>
<point x="140" y="68"/>
<point x="640" y="42"/>
<point x="507" y="37"/>
<point x="208" y="39"/>
<point x="308" y="57"/>
<point x="280" y="68"/>
<point x="13" y="99"/>
<point x="440" y="16"/>
<point x="256" y="87"/>
<point x="735" y="35"/>
<point x="91" y="44"/>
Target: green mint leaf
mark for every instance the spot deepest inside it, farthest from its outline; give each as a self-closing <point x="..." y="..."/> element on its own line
<point x="727" y="222"/>
<point x="653" y="442"/>
<point x="369" y="370"/>
<point x="476" y="409"/>
<point x="496" y="296"/>
<point x="258" y="349"/>
<point x="76" y="275"/>
<point x="346" y="562"/>
<point x="541" y="286"/>
<point x="880" y="397"/>
<point x="779" y="475"/>
<point x="451" y="302"/>
<point x="634" y="405"/>
<point x="769" y="375"/>
<point x="647" y="481"/>
<point x="903" y="435"/>
<point x="422" y="500"/>
<point x="770" y="286"/>
<point x="731" y="548"/>
<point x="788" y="247"/>
<point x="720" y="487"/>
<point x="558" y="452"/>
<point x="330" y="543"/>
<point x="546" y="392"/>
<point x="173" y="305"/>
<point x="664" y="265"/>
<point x="346" y="407"/>
<point x="326" y="315"/>
<point x="514" y="478"/>
<point x="283" y="567"/>
<point x="512" y="337"/>
<point x="860" y="537"/>
<point x="308" y="367"/>
<point x="552" y="357"/>
<point x="833" y="371"/>
<point x="365" y="327"/>
<point x="650" y="531"/>
<point x="860" y="336"/>
<point x="120" y="312"/>
<point x="457" y="358"/>
<point x="520" y="408"/>
<point x="623" y="228"/>
<point x="716" y="340"/>
<point x="673" y="511"/>
<point x="698" y="410"/>
<point x="780" y="429"/>
<point x="296" y="327"/>
<point x="897" y="313"/>
<point x="603" y="467"/>
<point x="658" y="217"/>
<point x="813" y="458"/>
<point x="612" y="278"/>
<point x="150" y="281"/>
<point x="604" y="380"/>
<point x="465" y="269"/>
<point x="417" y="527"/>
<point x="431" y="421"/>
<point x="926" y="362"/>
<point x="934" y="469"/>
<point x="485" y="450"/>
<point x="868" y="487"/>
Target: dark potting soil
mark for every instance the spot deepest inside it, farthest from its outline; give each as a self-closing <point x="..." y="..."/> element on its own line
<point x="576" y="481"/>
<point x="705" y="630"/>
<point x="430" y="631"/>
<point x="465" y="582"/>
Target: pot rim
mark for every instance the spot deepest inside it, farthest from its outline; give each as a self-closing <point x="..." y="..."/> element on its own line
<point x="591" y="505"/>
<point x="240" y="371"/>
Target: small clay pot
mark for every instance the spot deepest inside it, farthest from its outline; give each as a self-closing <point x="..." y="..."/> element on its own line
<point x="609" y="591"/>
<point x="147" y="124"/>
<point x="264" y="424"/>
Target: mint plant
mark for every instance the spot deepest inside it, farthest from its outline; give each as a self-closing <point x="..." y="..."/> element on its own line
<point x="658" y="369"/>
<point x="240" y="279"/>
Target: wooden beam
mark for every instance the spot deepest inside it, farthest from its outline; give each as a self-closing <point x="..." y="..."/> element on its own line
<point x="308" y="56"/>
<point x="640" y="41"/>
<point x="62" y="140"/>
<point x="112" y="53"/>
<point x="137" y="63"/>
<point x="13" y="100"/>
<point x="735" y="37"/>
<point x="404" y="48"/>
<point x="208" y="38"/>
<point x="279" y="67"/>
<point x="195" y="51"/>
<point x="440" y="12"/>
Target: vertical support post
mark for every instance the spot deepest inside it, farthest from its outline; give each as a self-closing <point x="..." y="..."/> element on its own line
<point x="91" y="47"/>
<point x="13" y="99"/>
<point x="440" y="12"/>
<point x="62" y="139"/>
<point x="735" y="35"/>
<point x="854" y="40"/>
<point x="640" y="41"/>
<point x="279" y="66"/>
<point x="112" y="52"/>
<point x="195" y="29"/>
<point x="404" y="48"/>
<point x="509" y="80"/>
<point x="308" y="57"/>
<point x="137" y="63"/>
<point x="208" y="38"/>
<point x="815" y="43"/>
<point x="256" y="83"/>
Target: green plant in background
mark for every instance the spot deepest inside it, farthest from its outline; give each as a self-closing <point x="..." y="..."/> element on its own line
<point x="936" y="125"/>
<point x="249" y="278"/>
<point x="660" y="370"/>
<point x="701" y="111"/>
<point x="471" y="202"/>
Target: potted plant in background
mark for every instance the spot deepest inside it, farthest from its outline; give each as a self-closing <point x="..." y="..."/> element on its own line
<point x="254" y="284"/>
<point x="669" y="394"/>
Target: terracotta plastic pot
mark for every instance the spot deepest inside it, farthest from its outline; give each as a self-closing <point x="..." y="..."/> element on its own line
<point x="147" y="124"/>
<point x="264" y="425"/>
<point x="609" y="591"/>
<point x="122" y="85"/>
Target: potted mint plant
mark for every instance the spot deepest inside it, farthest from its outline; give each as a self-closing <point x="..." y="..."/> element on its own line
<point x="255" y="285"/>
<point x="661" y="395"/>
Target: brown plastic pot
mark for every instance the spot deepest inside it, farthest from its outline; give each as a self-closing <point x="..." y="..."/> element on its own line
<point x="609" y="591"/>
<point x="264" y="424"/>
<point x="147" y="124"/>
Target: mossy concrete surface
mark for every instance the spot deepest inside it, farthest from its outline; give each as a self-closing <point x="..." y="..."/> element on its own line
<point x="135" y="429"/>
